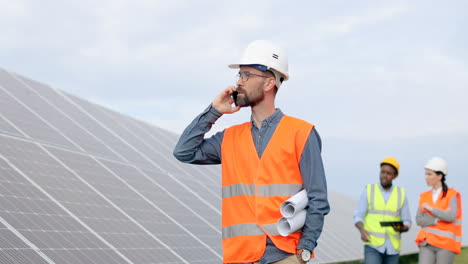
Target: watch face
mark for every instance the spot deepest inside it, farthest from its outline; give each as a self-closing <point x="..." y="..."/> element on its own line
<point x="305" y="255"/>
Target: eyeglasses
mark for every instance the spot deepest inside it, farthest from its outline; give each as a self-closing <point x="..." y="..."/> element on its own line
<point x="244" y="76"/>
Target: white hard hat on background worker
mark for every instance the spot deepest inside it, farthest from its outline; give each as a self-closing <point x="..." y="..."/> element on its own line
<point x="438" y="165"/>
<point x="264" y="53"/>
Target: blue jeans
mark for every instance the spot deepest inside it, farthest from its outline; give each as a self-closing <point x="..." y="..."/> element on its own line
<point x="373" y="256"/>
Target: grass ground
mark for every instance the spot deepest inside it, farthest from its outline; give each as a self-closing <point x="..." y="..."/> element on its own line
<point x="413" y="258"/>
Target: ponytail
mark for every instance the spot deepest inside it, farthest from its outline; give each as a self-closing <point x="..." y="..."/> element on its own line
<point x="444" y="186"/>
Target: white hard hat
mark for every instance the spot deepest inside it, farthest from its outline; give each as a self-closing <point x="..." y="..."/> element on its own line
<point x="437" y="164"/>
<point x="263" y="52"/>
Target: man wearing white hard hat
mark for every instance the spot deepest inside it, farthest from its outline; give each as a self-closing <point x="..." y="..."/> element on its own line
<point x="264" y="162"/>
<point x="439" y="216"/>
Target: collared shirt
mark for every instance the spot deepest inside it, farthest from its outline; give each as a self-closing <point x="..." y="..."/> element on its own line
<point x="435" y="194"/>
<point x="361" y="211"/>
<point x="194" y="148"/>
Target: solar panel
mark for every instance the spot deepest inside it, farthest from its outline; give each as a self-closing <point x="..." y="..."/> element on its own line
<point x="80" y="183"/>
<point x="79" y="187"/>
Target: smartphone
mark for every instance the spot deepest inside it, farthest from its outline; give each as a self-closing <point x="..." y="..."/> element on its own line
<point x="234" y="97"/>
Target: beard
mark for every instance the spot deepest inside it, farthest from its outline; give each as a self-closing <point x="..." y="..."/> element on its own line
<point x="250" y="99"/>
<point x="387" y="185"/>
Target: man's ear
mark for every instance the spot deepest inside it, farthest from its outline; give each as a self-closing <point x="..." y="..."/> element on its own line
<point x="270" y="84"/>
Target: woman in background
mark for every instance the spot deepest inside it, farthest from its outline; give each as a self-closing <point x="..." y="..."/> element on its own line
<point x="439" y="215"/>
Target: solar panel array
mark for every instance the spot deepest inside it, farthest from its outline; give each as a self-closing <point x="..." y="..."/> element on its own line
<point x="80" y="183"/>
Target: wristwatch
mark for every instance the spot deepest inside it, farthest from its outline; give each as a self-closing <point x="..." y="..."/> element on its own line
<point x="305" y="255"/>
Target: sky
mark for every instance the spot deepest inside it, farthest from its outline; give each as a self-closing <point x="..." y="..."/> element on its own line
<point x="376" y="78"/>
<point x="366" y="69"/>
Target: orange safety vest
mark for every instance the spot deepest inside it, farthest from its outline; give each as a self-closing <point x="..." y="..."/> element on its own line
<point x="446" y="235"/>
<point x="253" y="188"/>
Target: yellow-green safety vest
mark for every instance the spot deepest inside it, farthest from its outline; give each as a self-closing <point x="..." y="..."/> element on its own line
<point x="378" y="210"/>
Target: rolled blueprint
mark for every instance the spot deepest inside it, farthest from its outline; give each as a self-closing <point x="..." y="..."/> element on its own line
<point x="286" y="226"/>
<point x="294" y="204"/>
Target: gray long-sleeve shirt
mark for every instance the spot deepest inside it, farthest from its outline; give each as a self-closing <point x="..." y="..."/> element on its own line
<point x="449" y="215"/>
<point x="194" y="148"/>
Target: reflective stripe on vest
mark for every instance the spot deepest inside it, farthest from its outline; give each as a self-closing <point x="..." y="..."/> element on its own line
<point x="271" y="229"/>
<point x="442" y="233"/>
<point x="253" y="188"/>
<point x="445" y="235"/>
<point x="382" y="235"/>
<point x="384" y="212"/>
<point x="379" y="210"/>
<point x="262" y="190"/>
<point x="248" y="230"/>
<point x="241" y="230"/>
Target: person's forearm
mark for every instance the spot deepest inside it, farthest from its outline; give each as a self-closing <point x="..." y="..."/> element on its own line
<point x="405" y="216"/>
<point x="424" y="219"/>
<point x="448" y="215"/>
<point x="192" y="147"/>
<point x="360" y="226"/>
<point x="313" y="175"/>
<point x="361" y="210"/>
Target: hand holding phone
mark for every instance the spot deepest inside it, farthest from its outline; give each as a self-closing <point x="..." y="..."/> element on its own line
<point x="223" y="102"/>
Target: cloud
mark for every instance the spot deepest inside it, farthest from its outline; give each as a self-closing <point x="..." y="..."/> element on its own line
<point x="350" y="66"/>
<point x="125" y="41"/>
<point x="347" y="24"/>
